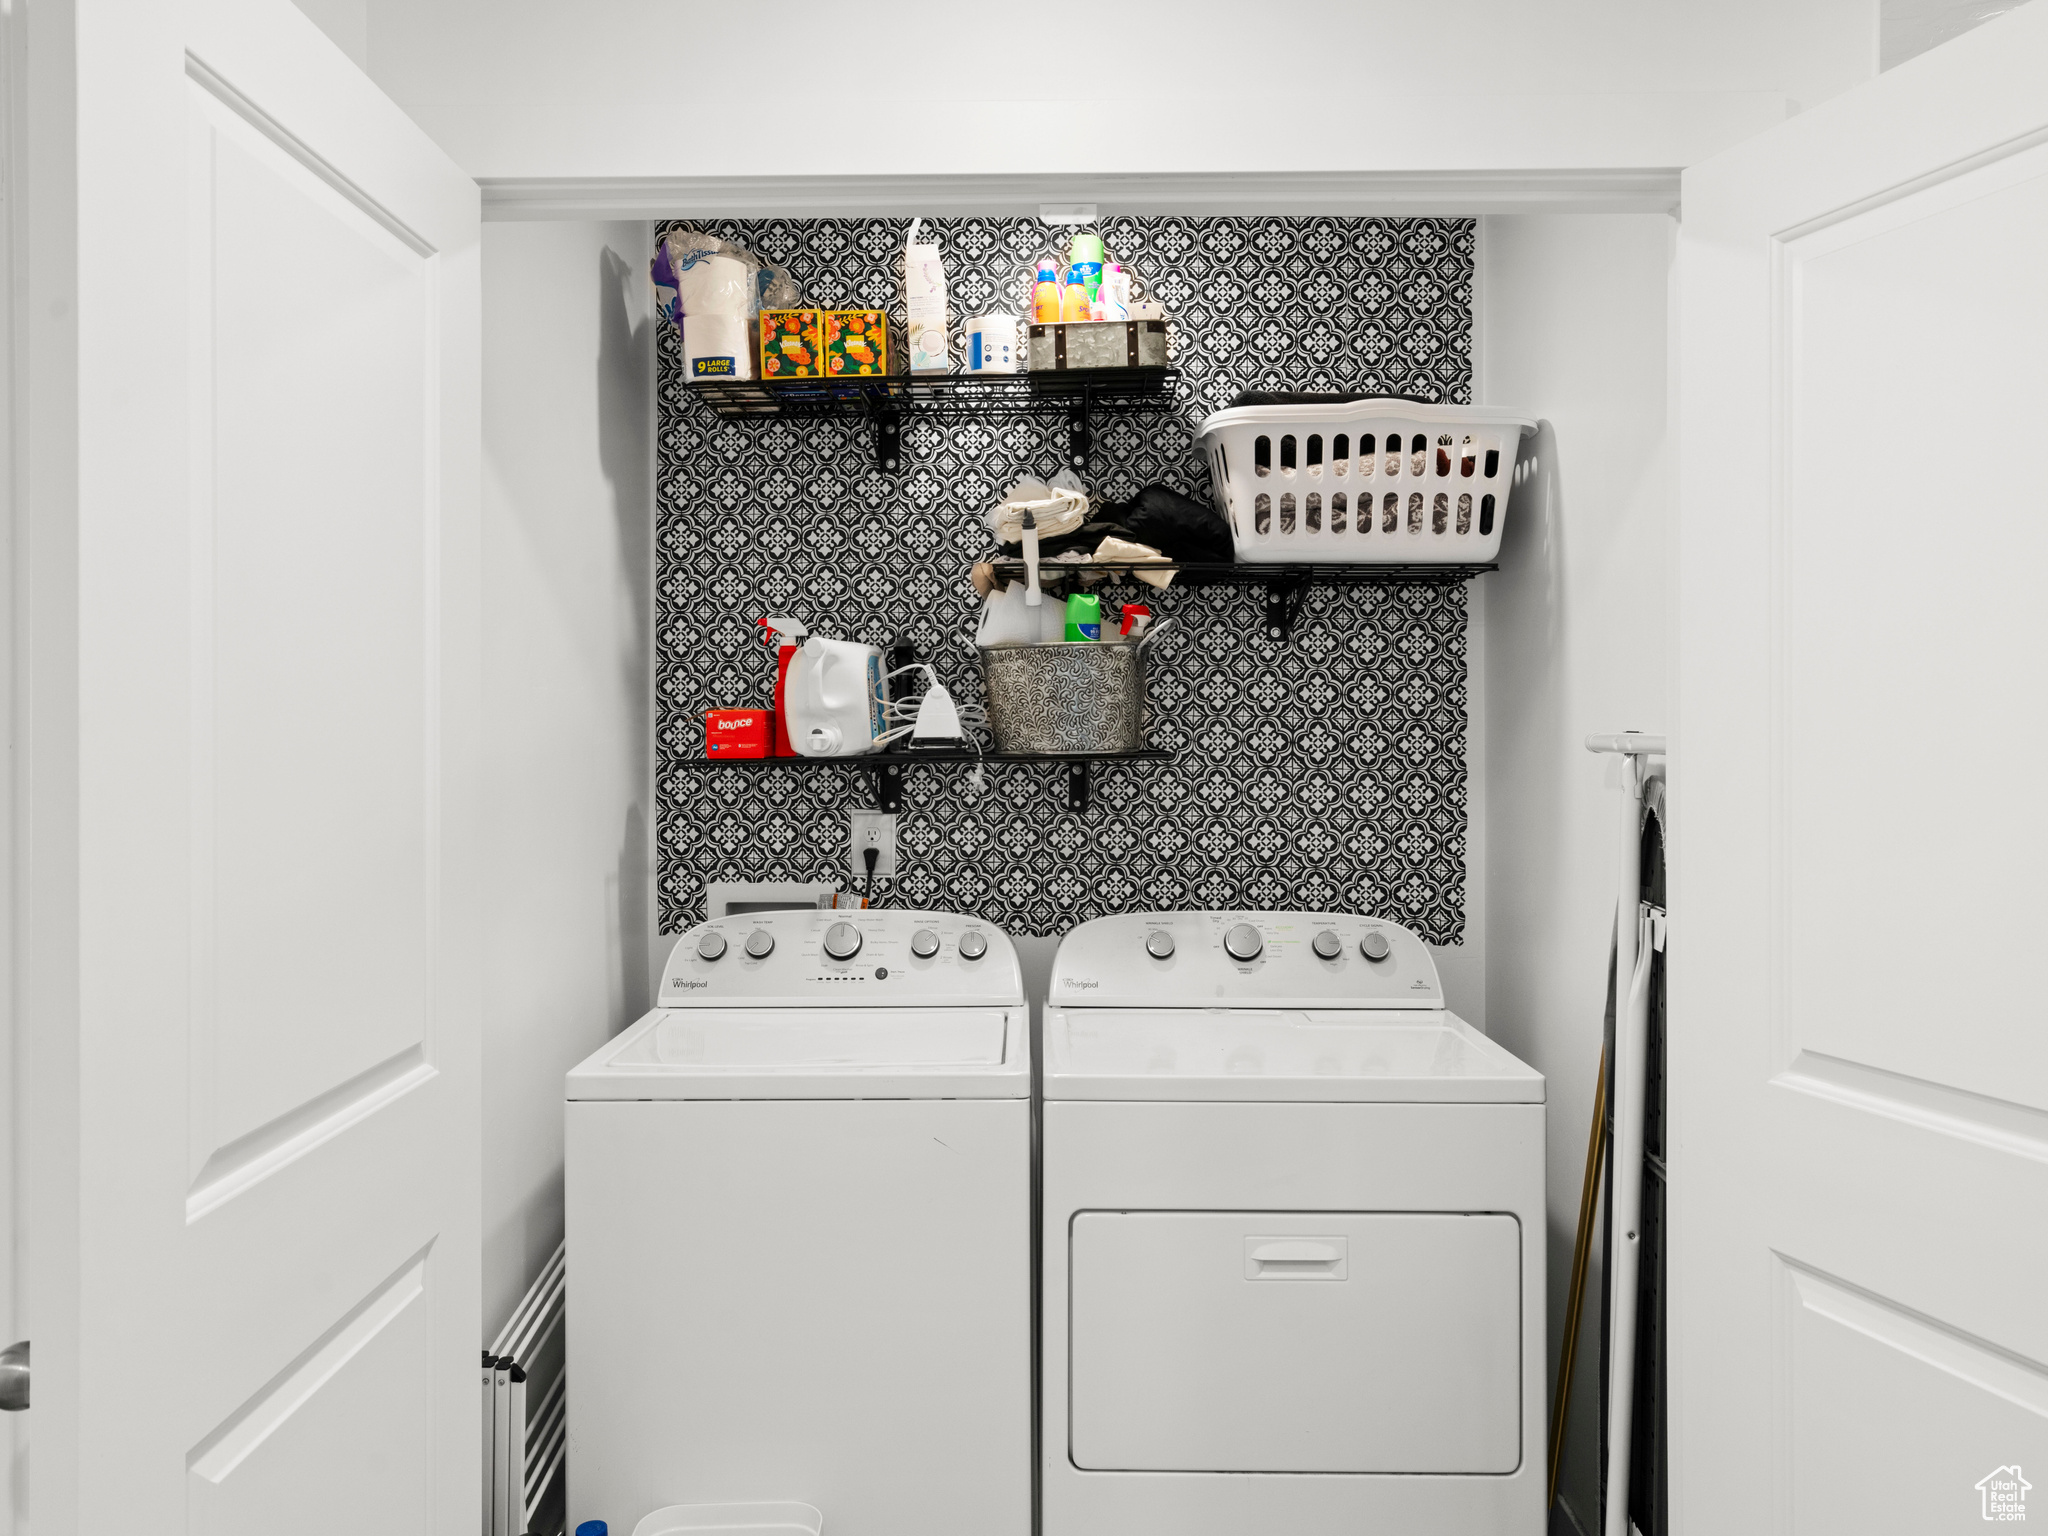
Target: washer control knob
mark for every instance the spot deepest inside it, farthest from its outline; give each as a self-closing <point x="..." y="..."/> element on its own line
<point x="760" y="944"/>
<point x="973" y="944"/>
<point x="1159" y="944"/>
<point x="711" y="946"/>
<point x="1243" y="942"/>
<point x="1374" y="946"/>
<point x="1328" y="945"/>
<point x="842" y="941"/>
<point x="924" y="943"/>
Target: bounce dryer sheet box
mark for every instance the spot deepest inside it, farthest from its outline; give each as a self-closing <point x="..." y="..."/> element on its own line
<point x="739" y="732"/>
<point x="856" y="343"/>
<point x="790" y="346"/>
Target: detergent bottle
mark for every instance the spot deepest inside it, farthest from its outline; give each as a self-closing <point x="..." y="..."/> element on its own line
<point x="785" y="634"/>
<point x="835" y="698"/>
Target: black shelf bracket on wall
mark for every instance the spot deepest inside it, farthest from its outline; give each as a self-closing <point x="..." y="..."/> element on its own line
<point x="1080" y="437"/>
<point x="888" y="441"/>
<point x="1286" y="595"/>
<point x="888" y="786"/>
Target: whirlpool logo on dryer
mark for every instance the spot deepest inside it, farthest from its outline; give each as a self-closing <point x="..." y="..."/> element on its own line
<point x="1077" y="982"/>
<point x="686" y="983"/>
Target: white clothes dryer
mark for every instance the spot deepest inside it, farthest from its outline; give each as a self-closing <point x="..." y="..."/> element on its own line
<point x="799" y="1231"/>
<point x="1293" y="1238"/>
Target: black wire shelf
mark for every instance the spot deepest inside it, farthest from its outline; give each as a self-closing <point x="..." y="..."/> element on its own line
<point x="885" y="399"/>
<point x="890" y="767"/>
<point x="1287" y="586"/>
<point x="1197" y="573"/>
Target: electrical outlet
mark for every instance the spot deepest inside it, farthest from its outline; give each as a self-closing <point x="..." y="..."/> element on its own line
<point x="877" y="830"/>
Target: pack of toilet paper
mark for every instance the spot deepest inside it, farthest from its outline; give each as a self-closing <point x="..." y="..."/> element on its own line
<point x="712" y="289"/>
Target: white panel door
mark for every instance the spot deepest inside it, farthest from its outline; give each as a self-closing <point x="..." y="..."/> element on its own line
<point x="1859" y="1035"/>
<point x="253" y="1152"/>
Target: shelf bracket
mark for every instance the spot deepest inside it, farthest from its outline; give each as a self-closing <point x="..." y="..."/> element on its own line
<point x="888" y="787"/>
<point x="1285" y="599"/>
<point x="1080" y="437"/>
<point x="888" y="441"/>
<point x="1077" y="787"/>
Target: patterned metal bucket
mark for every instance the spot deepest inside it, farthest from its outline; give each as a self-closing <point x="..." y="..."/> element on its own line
<point x="1066" y="698"/>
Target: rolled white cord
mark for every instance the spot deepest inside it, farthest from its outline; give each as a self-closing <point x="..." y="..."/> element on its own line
<point x="1033" y="597"/>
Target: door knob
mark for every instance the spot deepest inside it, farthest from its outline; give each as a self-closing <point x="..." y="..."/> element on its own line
<point x="14" y="1377"/>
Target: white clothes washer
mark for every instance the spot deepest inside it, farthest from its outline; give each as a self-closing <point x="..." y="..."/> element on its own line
<point x="799" y="1231"/>
<point x="1293" y="1238"/>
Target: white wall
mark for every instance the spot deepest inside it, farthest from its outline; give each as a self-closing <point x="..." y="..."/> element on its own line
<point x="568" y="495"/>
<point x="1908" y="28"/>
<point x="664" y="88"/>
<point x="1573" y="327"/>
<point x="346" y="23"/>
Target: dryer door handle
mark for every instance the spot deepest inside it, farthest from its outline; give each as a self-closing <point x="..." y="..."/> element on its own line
<point x="1297" y="1258"/>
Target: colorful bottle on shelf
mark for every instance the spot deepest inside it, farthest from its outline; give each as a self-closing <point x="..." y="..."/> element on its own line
<point x="1045" y="297"/>
<point x="1084" y="617"/>
<point x="1074" y="297"/>
<point x="1084" y="251"/>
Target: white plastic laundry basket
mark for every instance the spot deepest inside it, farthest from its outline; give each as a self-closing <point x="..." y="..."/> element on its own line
<point x="1363" y="482"/>
<point x="732" y="1520"/>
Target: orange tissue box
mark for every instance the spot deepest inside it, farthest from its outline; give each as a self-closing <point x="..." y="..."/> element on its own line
<point x="790" y="348"/>
<point x="856" y="343"/>
<point x="738" y="732"/>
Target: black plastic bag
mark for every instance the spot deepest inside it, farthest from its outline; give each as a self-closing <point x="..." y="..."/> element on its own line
<point x="1179" y="527"/>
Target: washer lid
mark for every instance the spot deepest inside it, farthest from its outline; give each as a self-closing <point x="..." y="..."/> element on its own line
<point x="1250" y="1054"/>
<point x="812" y="1053"/>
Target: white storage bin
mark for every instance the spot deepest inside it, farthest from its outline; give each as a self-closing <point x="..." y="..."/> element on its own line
<point x="1363" y="482"/>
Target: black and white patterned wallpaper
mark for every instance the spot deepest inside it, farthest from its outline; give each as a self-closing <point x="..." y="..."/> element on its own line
<point x="1324" y="772"/>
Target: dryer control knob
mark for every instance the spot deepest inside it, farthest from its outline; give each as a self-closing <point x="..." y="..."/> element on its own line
<point x="842" y="941"/>
<point x="924" y="943"/>
<point x="973" y="945"/>
<point x="1328" y="945"/>
<point x="760" y="944"/>
<point x="1159" y="944"/>
<point x="1374" y="946"/>
<point x="711" y="946"/>
<point x="1243" y="942"/>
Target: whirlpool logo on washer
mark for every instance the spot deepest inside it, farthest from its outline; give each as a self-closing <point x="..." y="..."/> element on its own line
<point x="1079" y="985"/>
<point x="686" y="983"/>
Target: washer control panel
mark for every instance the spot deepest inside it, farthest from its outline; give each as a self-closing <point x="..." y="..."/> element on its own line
<point x="874" y="957"/>
<point x="1244" y="959"/>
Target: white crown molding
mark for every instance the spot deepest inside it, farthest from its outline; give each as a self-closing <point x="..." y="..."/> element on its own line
<point x="1620" y="190"/>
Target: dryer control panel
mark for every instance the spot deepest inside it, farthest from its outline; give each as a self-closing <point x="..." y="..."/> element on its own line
<point x="875" y="958"/>
<point x="1244" y="959"/>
